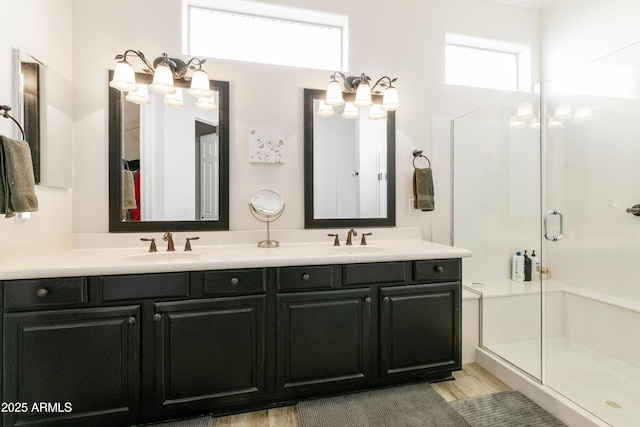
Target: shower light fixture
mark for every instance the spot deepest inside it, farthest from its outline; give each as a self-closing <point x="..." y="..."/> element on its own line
<point x="165" y="70"/>
<point x="364" y="96"/>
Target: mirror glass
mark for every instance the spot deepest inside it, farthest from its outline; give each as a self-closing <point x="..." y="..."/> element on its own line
<point x="267" y="202"/>
<point x="44" y="110"/>
<point x="349" y="167"/>
<point x="169" y="166"/>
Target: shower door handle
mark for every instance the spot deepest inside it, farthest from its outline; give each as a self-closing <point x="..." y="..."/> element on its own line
<point x="546" y="234"/>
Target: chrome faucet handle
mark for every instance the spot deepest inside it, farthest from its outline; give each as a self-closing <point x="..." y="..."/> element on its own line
<point x="152" y="247"/>
<point x="364" y="238"/>
<point x="336" y="241"/>
<point x="350" y="235"/>
<point x="187" y="246"/>
<point x="168" y="237"/>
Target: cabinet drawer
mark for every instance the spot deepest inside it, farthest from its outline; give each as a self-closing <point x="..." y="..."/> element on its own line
<point x="143" y="286"/>
<point x="231" y="282"/>
<point x="381" y="272"/>
<point x="310" y="277"/>
<point x="45" y="292"/>
<point x="437" y="270"/>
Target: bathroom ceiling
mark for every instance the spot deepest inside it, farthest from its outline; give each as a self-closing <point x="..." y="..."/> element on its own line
<point x="531" y="4"/>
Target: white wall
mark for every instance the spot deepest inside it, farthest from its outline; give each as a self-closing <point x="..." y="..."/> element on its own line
<point x="404" y="40"/>
<point x="576" y="32"/>
<point x="43" y="29"/>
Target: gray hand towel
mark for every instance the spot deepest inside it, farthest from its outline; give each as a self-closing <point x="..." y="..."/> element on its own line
<point x="423" y="189"/>
<point x="17" y="183"/>
<point x="128" y="191"/>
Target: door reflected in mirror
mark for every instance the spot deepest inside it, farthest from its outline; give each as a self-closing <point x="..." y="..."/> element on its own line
<point x="169" y="165"/>
<point x="349" y="167"/>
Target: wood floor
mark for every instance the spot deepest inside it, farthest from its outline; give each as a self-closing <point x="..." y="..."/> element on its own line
<point x="472" y="380"/>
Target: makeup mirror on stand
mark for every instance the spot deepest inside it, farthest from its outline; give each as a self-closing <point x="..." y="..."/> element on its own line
<point x="267" y="206"/>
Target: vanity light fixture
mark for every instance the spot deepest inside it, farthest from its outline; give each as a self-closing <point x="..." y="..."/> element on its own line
<point x="363" y="90"/>
<point x="165" y="70"/>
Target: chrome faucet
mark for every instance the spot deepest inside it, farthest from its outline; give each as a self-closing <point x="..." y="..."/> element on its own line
<point x="351" y="233"/>
<point x="168" y="237"/>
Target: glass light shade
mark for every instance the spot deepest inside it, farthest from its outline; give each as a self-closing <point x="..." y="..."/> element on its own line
<point x="174" y="99"/>
<point x="562" y="111"/>
<point x="162" y="80"/>
<point x="207" y="103"/>
<point x="141" y="96"/>
<point x="350" y="111"/>
<point x="124" y="79"/>
<point x="376" y="112"/>
<point x="325" y="110"/>
<point x="334" y="94"/>
<point x="525" y="111"/>
<point x="363" y="95"/>
<point x="200" y="84"/>
<point x="390" y="99"/>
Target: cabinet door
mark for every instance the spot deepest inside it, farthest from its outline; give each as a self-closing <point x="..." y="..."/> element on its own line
<point x="72" y="367"/>
<point x="419" y="330"/>
<point x="323" y="340"/>
<point x="209" y="352"/>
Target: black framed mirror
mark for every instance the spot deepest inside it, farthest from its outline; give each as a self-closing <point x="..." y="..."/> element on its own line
<point x="349" y="168"/>
<point x="168" y="166"/>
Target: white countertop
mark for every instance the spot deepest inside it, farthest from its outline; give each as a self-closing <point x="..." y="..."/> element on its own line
<point x="106" y="260"/>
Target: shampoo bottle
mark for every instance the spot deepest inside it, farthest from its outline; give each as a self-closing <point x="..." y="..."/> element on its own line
<point x="527" y="267"/>
<point x="535" y="266"/>
<point x="517" y="268"/>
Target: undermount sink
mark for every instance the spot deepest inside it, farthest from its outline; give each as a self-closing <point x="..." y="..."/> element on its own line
<point x="357" y="249"/>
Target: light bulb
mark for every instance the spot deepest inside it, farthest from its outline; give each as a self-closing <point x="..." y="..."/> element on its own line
<point x="325" y="110"/>
<point x="363" y="95"/>
<point x="141" y="96"/>
<point x="174" y="99"/>
<point x="390" y="99"/>
<point x="350" y="111"/>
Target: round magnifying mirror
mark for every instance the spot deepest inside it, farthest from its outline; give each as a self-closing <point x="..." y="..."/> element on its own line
<point x="268" y="203"/>
<point x="267" y="206"/>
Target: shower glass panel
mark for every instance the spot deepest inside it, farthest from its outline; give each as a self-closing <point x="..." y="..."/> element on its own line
<point x="497" y="213"/>
<point x="592" y="176"/>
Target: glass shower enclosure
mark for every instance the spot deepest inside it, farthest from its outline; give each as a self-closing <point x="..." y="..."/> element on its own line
<point x="556" y="169"/>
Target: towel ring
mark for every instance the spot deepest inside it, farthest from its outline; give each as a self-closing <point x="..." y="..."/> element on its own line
<point x="4" y="111"/>
<point x="418" y="153"/>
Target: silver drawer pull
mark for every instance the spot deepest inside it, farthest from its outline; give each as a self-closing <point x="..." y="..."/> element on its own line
<point x="367" y="300"/>
<point x="157" y="317"/>
<point x="235" y="281"/>
<point x="438" y="269"/>
<point x="43" y="292"/>
<point x="131" y="320"/>
<point x="306" y="277"/>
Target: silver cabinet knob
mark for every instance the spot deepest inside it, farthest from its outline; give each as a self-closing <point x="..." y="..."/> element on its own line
<point x="439" y="269"/>
<point x="43" y="292"/>
<point x="306" y="277"/>
<point x="235" y="281"/>
<point x="386" y="299"/>
<point x="131" y="320"/>
<point x="157" y="317"/>
<point x="367" y="300"/>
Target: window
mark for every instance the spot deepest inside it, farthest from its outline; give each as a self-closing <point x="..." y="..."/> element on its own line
<point x="263" y="33"/>
<point x="485" y="63"/>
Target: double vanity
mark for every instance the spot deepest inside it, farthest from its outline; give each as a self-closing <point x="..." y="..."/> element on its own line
<point x="116" y="336"/>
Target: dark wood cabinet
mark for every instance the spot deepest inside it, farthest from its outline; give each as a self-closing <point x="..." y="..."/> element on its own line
<point x="131" y="349"/>
<point x="323" y="340"/>
<point x="209" y="352"/>
<point x="72" y="367"/>
<point x="419" y="329"/>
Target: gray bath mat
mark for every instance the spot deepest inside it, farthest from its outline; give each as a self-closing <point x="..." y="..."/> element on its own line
<point x="191" y="422"/>
<point x="414" y="405"/>
<point x="508" y="408"/>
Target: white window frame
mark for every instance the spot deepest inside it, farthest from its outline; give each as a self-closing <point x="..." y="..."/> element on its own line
<point x="277" y="12"/>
